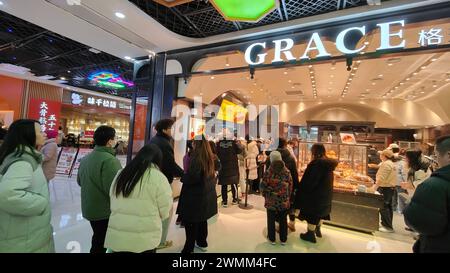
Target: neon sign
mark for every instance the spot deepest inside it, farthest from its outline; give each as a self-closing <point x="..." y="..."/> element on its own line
<point x="108" y="79"/>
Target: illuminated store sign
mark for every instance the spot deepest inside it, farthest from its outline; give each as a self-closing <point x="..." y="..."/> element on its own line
<point x="78" y="99"/>
<point x="283" y="47"/>
<point x="108" y="79"/>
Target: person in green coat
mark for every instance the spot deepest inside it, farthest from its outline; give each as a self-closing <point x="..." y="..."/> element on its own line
<point x="95" y="176"/>
<point x="428" y="212"/>
<point x="24" y="197"/>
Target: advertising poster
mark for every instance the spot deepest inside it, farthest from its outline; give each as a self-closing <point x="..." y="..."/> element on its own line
<point x="81" y="154"/>
<point x="66" y="160"/>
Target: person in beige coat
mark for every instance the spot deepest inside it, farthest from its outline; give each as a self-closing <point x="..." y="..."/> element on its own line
<point x="251" y="165"/>
<point x="386" y="181"/>
<point x="50" y="153"/>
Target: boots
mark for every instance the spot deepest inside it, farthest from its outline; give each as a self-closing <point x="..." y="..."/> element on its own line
<point x="308" y="236"/>
<point x="318" y="232"/>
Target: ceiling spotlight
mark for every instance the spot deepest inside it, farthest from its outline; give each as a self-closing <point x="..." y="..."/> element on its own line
<point x="366" y="43"/>
<point x="227" y="64"/>
<point x="1" y="3"/>
<point x="407" y="79"/>
<point x="367" y="90"/>
<point x="435" y="85"/>
<point x="212" y="77"/>
<point x="68" y="71"/>
<point x="285" y="73"/>
<point x="333" y="68"/>
<point x="355" y="68"/>
<point x="415" y="73"/>
<point x="390" y="64"/>
<point x="373" y="83"/>
<point x="433" y="60"/>
<point x="254" y="83"/>
<point x="402" y="83"/>
<point x="358" y="62"/>
<point x="350" y="79"/>
<point x="423" y="67"/>
<point x="396" y="87"/>
<point x="289" y="81"/>
<point x="63" y="78"/>
<point x="381" y="75"/>
<point x="362" y="53"/>
<point x="128" y="58"/>
<point x="310" y="72"/>
<point x="120" y="15"/>
<point x="332" y="76"/>
<point x="310" y="66"/>
<point x="223" y="95"/>
<point x="292" y="87"/>
<point x="423" y="92"/>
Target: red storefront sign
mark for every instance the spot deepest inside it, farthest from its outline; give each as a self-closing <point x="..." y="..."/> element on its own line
<point x="47" y="112"/>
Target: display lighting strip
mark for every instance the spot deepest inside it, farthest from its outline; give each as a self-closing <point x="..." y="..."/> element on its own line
<point x="408" y="79"/>
<point x="350" y="78"/>
<point x="313" y="80"/>
<point x="105" y="78"/>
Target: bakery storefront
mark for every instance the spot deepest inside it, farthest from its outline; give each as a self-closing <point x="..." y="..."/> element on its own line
<point x="353" y="85"/>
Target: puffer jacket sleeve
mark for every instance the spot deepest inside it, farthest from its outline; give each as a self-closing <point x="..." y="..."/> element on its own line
<point x="426" y="213"/>
<point x="49" y="151"/>
<point x="15" y="198"/>
<point x="164" y="197"/>
<point x="109" y="171"/>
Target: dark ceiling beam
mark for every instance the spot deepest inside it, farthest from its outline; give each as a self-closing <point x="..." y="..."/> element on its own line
<point x="86" y="67"/>
<point x="23" y="42"/>
<point x="237" y="25"/>
<point x="48" y="58"/>
<point x="199" y="11"/>
<point x="186" y="21"/>
<point x="283" y="2"/>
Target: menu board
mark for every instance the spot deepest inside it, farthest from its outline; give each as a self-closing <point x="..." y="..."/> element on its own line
<point x="66" y="160"/>
<point x="81" y="154"/>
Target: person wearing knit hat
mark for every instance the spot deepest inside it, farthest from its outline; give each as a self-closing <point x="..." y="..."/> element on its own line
<point x="276" y="188"/>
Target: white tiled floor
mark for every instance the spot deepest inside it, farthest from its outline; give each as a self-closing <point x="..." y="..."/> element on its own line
<point x="232" y="230"/>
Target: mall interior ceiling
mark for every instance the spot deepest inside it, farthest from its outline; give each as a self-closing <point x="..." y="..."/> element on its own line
<point x="48" y="55"/>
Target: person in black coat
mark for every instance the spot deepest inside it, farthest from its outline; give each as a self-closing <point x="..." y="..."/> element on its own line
<point x="227" y="152"/>
<point x="198" y="197"/>
<point x="164" y="141"/>
<point x="315" y="192"/>
<point x="428" y="213"/>
<point x="169" y="167"/>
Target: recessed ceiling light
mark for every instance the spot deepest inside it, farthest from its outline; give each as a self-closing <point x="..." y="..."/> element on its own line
<point x="310" y="66"/>
<point x="120" y="15"/>
<point x="292" y="87"/>
<point x="423" y="92"/>
<point x="223" y="95"/>
<point x="128" y="58"/>
<point x="311" y="72"/>
<point x="402" y="83"/>
<point x="367" y="90"/>
<point x="289" y="81"/>
<point x="415" y="73"/>
<point x="381" y="75"/>
<point x="358" y="62"/>
<point x="407" y="79"/>
<point x="63" y="78"/>
<point x="285" y="73"/>
<point x="333" y="68"/>
<point x="227" y="64"/>
<point x="1" y="3"/>
<point x="390" y="64"/>
<point x="350" y="79"/>
<point x="254" y="83"/>
<point x="396" y="87"/>
<point x="447" y="80"/>
<point x="366" y="43"/>
<point x="355" y="68"/>
<point x="332" y="76"/>
<point x="423" y="67"/>
<point x="353" y="74"/>
<point x="373" y="83"/>
<point x="212" y="78"/>
<point x="68" y="71"/>
<point x="434" y="86"/>
<point x="362" y="53"/>
<point x="433" y="60"/>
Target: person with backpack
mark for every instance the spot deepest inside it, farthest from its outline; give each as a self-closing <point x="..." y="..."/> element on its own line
<point x="24" y="197"/>
<point x="276" y="187"/>
<point x="141" y="199"/>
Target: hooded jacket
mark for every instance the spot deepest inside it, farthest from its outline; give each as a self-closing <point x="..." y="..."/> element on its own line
<point x="276" y="187"/>
<point x="169" y="167"/>
<point x="315" y="191"/>
<point x="227" y="151"/>
<point x="429" y="211"/>
<point x="50" y="153"/>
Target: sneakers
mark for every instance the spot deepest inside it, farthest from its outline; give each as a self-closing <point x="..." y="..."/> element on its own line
<point x="385" y="230"/>
<point x="235" y="202"/>
<point x="318" y="232"/>
<point x="283" y="243"/>
<point x="203" y="249"/>
<point x="224" y="205"/>
<point x="273" y="243"/>
<point x="308" y="236"/>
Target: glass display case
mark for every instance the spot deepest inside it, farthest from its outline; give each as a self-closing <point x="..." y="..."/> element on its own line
<point x="351" y="172"/>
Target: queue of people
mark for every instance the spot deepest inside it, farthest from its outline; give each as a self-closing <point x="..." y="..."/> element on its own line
<point x="130" y="209"/>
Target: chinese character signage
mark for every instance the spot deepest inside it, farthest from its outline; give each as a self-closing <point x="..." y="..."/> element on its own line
<point x="78" y="99"/>
<point x="47" y="112"/>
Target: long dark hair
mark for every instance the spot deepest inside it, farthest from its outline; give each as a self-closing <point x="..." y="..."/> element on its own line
<point x="133" y="172"/>
<point x="415" y="162"/>
<point x="318" y="151"/>
<point x="21" y="135"/>
<point x="202" y="158"/>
